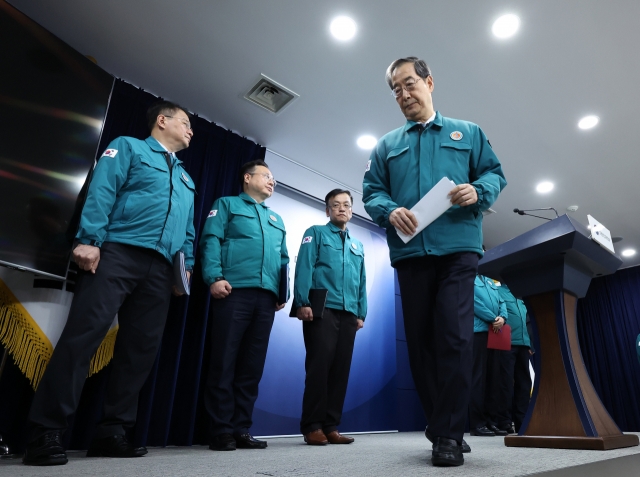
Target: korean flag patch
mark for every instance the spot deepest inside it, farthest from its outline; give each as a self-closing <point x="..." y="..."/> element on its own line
<point x="213" y="213"/>
<point x="307" y="239"/>
<point x="368" y="166"/>
<point x="110" y="153"/>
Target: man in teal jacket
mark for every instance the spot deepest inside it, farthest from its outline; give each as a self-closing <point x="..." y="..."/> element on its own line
<point x="436" y="268"/>
<point x="243" y="249"/>
<point x="516" y="378"/>
<point x="333" y="260"/>
<point x="490" y="314"/>
<point x="138" y="214"/>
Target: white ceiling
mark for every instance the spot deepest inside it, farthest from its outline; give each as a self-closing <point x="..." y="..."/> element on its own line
<point x="570" y="58"/>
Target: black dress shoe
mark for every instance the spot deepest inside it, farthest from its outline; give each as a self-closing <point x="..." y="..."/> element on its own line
<point x="247" y="441"/>
<point x="114" y="446"/>
<point x="498" y="432"/>
<point x="223" y="442"/>
<point x="46" y="450"/>
<point x="446" y="453"/>
<point x="466" y="448"/>
<point x="483" y="431"/>
<point x="509" y="430"/>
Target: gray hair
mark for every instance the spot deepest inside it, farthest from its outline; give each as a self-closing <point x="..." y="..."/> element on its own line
<point x="421" y="67"/>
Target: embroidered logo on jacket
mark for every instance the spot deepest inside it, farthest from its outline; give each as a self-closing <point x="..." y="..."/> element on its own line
<point x="213" y="213"/>
<point x="110" y="153"/>
<point x="185" y="178"/>
<point x="368" y="166"/>
<point x="307" y="239"/>
<point x="273" y="217"/>
<point x="456" y="135"/>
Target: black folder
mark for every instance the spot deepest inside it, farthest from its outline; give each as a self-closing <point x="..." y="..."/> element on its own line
<point x="318" y="299"/>
<point x="283" y="289"/>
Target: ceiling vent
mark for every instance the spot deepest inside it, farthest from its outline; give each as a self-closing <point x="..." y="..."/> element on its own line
<point x="270" y="95"/>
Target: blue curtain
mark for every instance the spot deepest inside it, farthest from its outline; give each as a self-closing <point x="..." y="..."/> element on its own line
<point x="608" y="323"/>
<point x="170" y="410"/>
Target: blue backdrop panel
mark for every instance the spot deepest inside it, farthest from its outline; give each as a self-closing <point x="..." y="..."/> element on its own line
<point x="371" y="396"/>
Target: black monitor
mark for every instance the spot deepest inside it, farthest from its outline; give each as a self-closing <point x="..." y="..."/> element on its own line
<point x="53" y="101"/>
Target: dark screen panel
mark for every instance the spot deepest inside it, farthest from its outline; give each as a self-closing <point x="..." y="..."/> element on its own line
<point x="53" y="102"/>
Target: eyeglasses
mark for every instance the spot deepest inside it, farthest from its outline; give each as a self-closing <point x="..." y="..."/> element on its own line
<point x="268" y="177"/>
<point x="410" y="85"/>
<point x="186" y="124"/>
<point x="338" y="206"/>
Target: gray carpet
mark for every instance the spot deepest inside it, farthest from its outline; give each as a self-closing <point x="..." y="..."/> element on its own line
<point x="395" y="454"/>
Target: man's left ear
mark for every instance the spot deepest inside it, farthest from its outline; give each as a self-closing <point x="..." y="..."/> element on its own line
<point x="327" y="211"/>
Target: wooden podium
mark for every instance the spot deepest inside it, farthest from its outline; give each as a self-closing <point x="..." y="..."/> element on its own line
<point x="551" y="266"/>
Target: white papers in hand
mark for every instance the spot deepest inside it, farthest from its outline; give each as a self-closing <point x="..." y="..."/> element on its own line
<point x="435" y="203"/>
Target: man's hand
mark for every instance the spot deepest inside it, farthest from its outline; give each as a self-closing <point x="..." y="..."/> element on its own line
<point x="305" y="313"/>
<point x="497" y="324"/>
<point x="220" y="289"/>
<point x="404" y="220"/>
<point x="174" y="289"/>
<point x="360" y="324"/>
<point x="463" y="195"/>
<point x="279" y="306"/>
<point x="87" y="257"/>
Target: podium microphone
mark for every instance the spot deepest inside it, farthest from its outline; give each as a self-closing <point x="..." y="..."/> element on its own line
<point x="524" y="212"/>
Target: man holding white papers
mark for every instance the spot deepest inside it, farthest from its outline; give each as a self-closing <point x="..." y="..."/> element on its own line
<point x="437" y="267"/>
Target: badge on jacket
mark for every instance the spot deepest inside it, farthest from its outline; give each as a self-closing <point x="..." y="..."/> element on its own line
<point x="307" y="239"/>
<point x="456" y="135"/>
<point x="110" y="153"/>
<point x="213" y="213"/>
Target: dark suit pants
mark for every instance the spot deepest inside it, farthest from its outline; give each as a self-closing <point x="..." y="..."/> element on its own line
<point x="437" y="304"/>
<point x="239" y="339"/>
<point x="516" y="386"/>
<point x="496" y="399"/>
<point x="329" y="344"/>
<point x="477" y="409"/>
<point x="136" y="284"/>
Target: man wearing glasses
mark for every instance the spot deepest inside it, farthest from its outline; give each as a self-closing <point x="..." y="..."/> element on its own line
<point x="437" y="267"/>
<point x="137" y="215"/>
<point x="243" y="248"/>
<point x="329" y="259"/>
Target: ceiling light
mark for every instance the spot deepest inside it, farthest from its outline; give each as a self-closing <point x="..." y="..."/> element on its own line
<point x="343" y="28"/>
<point x="544" y="187"/>
<point x="367" y="142"/>
<point x="628" y="252"/>
<point x="588" y="122"/>
<point x="506" y="26"/>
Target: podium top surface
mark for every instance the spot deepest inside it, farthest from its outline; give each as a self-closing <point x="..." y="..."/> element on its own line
<point x="562" y="242"/>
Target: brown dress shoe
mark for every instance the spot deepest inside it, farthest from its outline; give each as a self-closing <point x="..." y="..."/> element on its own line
<point x="316" y="438"/>
<point x="336" y="438"/>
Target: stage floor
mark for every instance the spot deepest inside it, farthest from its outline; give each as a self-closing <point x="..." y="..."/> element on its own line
<point x="394" y="454"/>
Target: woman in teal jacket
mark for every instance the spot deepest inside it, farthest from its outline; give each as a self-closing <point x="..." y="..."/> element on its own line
<point x="490" y="314"/>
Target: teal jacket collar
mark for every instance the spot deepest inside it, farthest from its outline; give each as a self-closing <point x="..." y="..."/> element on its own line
<point x="336" y="229"/>
<point x="155" y="146"/>
<point x="247" y="198"/>
<point x="437" y="122"/>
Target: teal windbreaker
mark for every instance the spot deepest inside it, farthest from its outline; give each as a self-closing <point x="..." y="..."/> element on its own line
<point x="135" y="199"/>
<point x="407" y="163"/>
<point x="487" y="304"/>
<point x="244" y="242"/>
<point x="325" y="262"/>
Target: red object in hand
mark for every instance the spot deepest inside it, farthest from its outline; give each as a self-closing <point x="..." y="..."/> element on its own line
<point x="500" y="340"/>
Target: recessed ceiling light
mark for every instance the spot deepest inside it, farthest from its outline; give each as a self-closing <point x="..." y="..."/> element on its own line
<point x="544" y="187"/>
<point x="628" y="252"/>
<point x="367" y="142"/>
<point x="588" y="122"/>
<point x="506" y="26"/>
<point x="343" y="28"/>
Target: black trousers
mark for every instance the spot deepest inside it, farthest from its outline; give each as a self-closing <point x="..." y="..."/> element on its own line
<point x="437" y="303"/>
<point x="496" y="399"/>
<point x="240" y="332"/>
<point x="136" y="284"/>
<point x="515" y="386"/>
<point x="477" y="409"/>
<point x="329" y="344"/>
